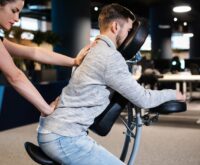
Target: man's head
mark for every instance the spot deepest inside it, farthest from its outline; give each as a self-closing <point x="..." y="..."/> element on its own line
<point x="116" y="21"/>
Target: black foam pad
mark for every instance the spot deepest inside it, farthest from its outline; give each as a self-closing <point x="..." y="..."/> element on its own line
<point x="38" y="155"/>
<point x="132" y="44"/>
<point x="170" y="107"/>
<point x="104" y="122"/>
<point x="135" y="39"/>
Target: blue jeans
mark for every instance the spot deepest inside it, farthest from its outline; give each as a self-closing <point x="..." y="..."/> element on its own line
<point x="80" y="150"/>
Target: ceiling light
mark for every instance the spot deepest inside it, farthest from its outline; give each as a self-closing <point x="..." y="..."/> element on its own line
<point x="96" y="8"/>
<point x="182" y="9"/>
<point x="184" y="23"/>
<point x="175" y="19"/>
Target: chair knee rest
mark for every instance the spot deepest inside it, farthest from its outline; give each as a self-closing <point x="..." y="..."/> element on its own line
<point x="104" y="122"/>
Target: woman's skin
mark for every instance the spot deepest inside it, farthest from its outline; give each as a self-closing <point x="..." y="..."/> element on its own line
<point x="9" y="14"/>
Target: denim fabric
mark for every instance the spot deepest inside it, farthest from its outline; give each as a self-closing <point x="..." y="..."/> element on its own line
<point x="80" y="150"/>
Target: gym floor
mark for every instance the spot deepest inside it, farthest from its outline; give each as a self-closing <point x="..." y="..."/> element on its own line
<point x="173" y="140"/>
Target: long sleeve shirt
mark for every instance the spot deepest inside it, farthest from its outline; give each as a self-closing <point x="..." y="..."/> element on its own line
<point x="103" y="71"/>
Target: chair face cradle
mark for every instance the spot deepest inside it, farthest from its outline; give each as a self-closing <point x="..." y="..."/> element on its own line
<point x="135" y="39"/>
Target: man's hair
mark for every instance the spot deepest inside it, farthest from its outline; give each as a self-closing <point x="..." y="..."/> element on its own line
<point x="4" y="2"/>
<point x="112" y="12"/>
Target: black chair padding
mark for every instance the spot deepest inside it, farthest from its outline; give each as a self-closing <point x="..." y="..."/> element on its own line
<point x="135" y="39"/>
<point x="170" y="107"/>
<point x="104" y="122"/>
<point x="38" y="155"/>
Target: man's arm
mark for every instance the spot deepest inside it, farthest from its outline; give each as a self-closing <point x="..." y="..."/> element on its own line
<point x="120" y="79"/>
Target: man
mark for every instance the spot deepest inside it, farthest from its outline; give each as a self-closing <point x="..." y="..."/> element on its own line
<point x="63" y="135"/>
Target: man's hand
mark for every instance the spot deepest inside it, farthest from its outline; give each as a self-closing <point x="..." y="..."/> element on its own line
<point x="81" y="55"/>
<point x="180" y="96"/>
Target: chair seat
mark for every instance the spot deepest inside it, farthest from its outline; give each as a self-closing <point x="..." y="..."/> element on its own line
<point x="38" y="155"/>
<point x="170" y="107"/>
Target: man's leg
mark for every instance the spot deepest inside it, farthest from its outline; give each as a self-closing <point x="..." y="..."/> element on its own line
<point x="98" y="155"/>
<point x="81" y="150"/>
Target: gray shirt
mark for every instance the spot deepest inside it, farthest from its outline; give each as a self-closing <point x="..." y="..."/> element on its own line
<point x="87" y="94"/>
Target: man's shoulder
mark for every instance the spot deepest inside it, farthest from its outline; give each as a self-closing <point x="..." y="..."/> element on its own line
<point x="104" y="50"/>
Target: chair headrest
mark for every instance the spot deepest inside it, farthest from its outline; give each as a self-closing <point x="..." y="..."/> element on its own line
<point x="135" y="39"/>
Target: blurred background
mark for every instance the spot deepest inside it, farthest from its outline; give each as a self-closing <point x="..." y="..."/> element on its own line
<point x="170" y="52"/>
<point x="171" y="59"/>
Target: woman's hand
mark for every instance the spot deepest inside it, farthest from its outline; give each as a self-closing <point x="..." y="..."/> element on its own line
<point x="81" y="55"/>
<point x="53" y="105"/>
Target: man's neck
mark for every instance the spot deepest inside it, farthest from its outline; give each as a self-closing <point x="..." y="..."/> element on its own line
<point x="110" y="36"/>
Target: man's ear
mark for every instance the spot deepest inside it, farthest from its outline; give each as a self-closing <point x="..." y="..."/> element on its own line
<point x="115" y="27"/>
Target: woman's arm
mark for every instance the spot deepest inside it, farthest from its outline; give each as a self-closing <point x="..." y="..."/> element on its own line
<point x="44" y="56"/>
<point x="20" y="83"/>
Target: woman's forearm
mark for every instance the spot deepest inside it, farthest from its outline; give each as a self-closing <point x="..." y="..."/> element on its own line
<point x="48" y="57"/>
<point x="38" y="54"/>
<point x="53" y="58"/>
<point x="24" y="87"/>
<point x="44" y="56"/>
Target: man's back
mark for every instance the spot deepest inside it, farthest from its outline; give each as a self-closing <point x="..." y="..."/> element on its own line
<point x="87" y="86"/>
<point x="86" y="95"/>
